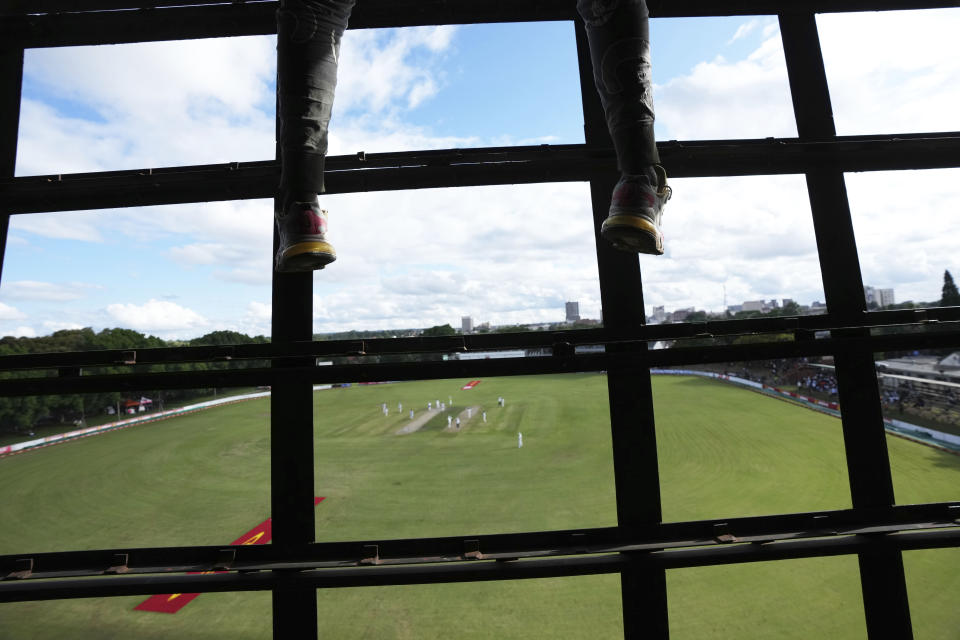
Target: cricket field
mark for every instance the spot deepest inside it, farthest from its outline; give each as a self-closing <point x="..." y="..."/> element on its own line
<point x="203" y="479"/>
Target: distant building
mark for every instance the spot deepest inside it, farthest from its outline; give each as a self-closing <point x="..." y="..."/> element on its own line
<point x="466" y="324"/>
<point x="659" y="315"/>
<point x="681" y="314"/>
<point x="573" y="311"/>
<point x="752" y="305"/>
<point x="878" y="297"/>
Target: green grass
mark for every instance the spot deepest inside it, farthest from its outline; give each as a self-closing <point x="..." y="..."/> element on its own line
<point x="723" y="452"/>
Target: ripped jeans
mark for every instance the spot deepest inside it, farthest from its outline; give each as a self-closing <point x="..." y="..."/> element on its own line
<point x="308" y="50"/>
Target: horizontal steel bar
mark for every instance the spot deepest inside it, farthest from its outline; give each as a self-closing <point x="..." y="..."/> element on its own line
<point x="472" y="571"/>
<point x="899" y="319"/>
<point x="387" y="7"/>
<point x="565" y="361"/>
<point x="504" y="546"/>
<point x="48" y="23"/>
<point x="472" y="167"/>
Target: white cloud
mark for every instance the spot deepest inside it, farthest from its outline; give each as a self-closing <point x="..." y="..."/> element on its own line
<point x="209" y="253"/>
<point x="899" y="74"/>
<point x="22" y="332"/>
<point x="156" y="315"/>
<point x="49" y="291"/>
<point x="254" y="320"/>
<point x="377" y="72"/>
<point x="148" y="105"/>
<point x="747" y="98"/>
<point x="51" y="326"/>
<point x="745" y="29"/>
<point x="418" y="258"/>
<point x="761" y="248"/>
<point x="62" y="226"/>
<point x="502" y="254"/>
<point x="10" y="313"/>
<point x="906" y="244"/>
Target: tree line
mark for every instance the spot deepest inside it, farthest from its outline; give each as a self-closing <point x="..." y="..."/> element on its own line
<point x="23" y="413"/>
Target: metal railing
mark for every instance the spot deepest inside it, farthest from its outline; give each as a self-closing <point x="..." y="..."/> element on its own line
<point x="641" y="547"/>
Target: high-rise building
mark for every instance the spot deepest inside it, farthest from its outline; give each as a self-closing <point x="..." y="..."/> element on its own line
<point x="878" y="297"/>
<point x="573" y="311"/>
<point x="466" y="324"/>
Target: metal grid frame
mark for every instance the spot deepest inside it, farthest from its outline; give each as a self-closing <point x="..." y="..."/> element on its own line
<point x="641" y="547"/>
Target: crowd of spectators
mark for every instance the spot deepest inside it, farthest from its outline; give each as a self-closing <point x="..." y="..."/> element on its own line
<point x="903" y="399"/>
<point x="822" y="382"/>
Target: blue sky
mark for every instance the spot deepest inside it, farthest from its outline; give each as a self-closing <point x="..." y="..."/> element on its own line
<point x="499" y="254"/>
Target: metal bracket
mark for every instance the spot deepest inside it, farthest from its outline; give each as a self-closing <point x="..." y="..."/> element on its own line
<point x="563" y="350"/>
<point x="471" y="550"/>
<point x="225" y="558"/>
<point x="118" y="564"/>
<point x="371" y="554"/>
<point x="22" y="569"/>
<point x="721" y="533"/>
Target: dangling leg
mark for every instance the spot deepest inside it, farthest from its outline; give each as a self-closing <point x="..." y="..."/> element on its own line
<point x="308" y="48"/>
<point x="619" y="36"/>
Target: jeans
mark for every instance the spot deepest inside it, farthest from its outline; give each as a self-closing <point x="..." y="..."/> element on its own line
<point x="308" y="49"/>
<point x="619" y="35"/>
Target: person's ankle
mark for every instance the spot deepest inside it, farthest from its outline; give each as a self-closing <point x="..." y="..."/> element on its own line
<point x="646" y="171"/>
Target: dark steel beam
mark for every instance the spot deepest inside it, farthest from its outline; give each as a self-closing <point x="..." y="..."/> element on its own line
<point x="291" y="441"/>
<point x="627" y="357"/>
<point x="477" y="570"/>
<point x="908" y="322"/>
<point x="11" y="83"/>
<point x="868" y="465"/>
<point x="53" y="23"/>
<point x="661" y="8"/>
<point x="643" y="590"/>
<point x="754" y="529"/>
<point x="472" y="167"/>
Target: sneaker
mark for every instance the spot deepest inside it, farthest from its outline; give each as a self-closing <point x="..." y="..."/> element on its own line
<point x="303" y="243"/>
<point x="636" y="209"/>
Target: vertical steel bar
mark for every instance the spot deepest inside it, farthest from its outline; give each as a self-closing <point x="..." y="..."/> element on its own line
<point x="11" y="84"/>
<point x="291" y="446"/>
<point x="636" y="472"/>
<point x="291" y="453"/>
<point x="868" y="465"/>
